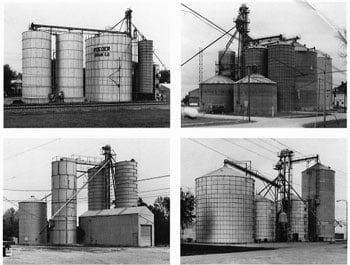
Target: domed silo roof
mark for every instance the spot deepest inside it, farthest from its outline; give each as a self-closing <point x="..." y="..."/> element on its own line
<point x="218" y="79"/>
<point x="254" y="79"/>
<point x="226" y="171"/>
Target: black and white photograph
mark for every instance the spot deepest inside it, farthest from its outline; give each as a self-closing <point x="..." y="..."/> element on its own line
<point x="86" y="64"/>
<point x="263" y="64"/>
<point x="263" y="201"/>
<point x="86" y="201"/>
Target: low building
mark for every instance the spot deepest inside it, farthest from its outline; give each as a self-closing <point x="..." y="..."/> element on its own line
<point x="132" y="226"/>
<point x="193" y="97"/>
<point x="339" y="96"/>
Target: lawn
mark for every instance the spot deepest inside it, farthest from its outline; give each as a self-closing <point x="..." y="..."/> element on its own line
<point x="203" y="122"/>
<point x="329" y="124"/>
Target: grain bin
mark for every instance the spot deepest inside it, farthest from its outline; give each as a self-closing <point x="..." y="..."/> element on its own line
<point x="215" y="94"/>
<point x="144" y="88"/>
<point x="224" y="207"/>
<point x="318" y="189"/>
<point x="64" y="186"/>
<point x="126" y="183"/>
<point x="98" y="189"/>
<point x="227" y="63"/>
<point x="69" y="66"/>
<point x="265" y="219"/>
<point x="298" y="220"/>
<point x="256" y="55"/>
<point x="263" y="95"/>
<point x="36" y="66"/>
<point x="281" y="69"/>
<point x="32" y="222"/>
<point x="108" y="68"/>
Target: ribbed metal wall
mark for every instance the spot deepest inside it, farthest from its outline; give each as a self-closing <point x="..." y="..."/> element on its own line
<point x="256" y="56"/>
<point x="281" y="69"/>
<point x="36" y="66"/>
<point x="32" y="222"/>
<point x="98" y="190"/>
<point x="224" y="209"/>
<point x="324" y="64"/>
<point x="69" y="66"/>
<point x="126" y="184"/>
<point x="265" y="219"/>
<point x="145" y="67"/>
<point x="318" y="188"/>
<point x="227" y="63"/>
<point x="64" y="186"/>
<point x="298" y="220"/>
<point x="108" y="68"/>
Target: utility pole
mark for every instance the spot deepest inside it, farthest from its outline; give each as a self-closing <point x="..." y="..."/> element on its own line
<point x="346" y="216"/>
<point x="324" y="92"/>
<point x="249" y="93"/>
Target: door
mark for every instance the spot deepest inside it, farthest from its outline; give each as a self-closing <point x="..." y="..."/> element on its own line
<point x="146" y="236"/>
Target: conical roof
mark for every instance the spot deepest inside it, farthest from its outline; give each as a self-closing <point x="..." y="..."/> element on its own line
<point x="319" y="166"/>
<point x="226" y="171"/>
<point x="218" y="79"/>
<point x="255" y="79"/>
<point x="261" y="198"/>
<point x="32" y="199"/>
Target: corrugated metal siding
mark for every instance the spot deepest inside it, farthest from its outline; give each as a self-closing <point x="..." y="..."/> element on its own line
<point x="146" y="236"/>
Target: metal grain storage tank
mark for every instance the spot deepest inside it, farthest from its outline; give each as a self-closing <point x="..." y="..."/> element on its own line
<point x="265" y="219"/>
<point x="64" y="186"/>
<point x="263" y="95"/>
<point x="215" y="94"/>
<point x="281" y="69"/>
<point x="145" y="70"/>
<point x="324" y="64"/>
<point x="36" y="66"/>
<point x="256" y="55"/>
<point x="318" y="189"/>
<point x="32" y="221"/>
<point x="224" y="207"/>
<point x="126" y="183"/>
<point x="69" y="66"/>
<point x="108" y="68"/>
<point x="227" y="65"/>
<point x="98" y="190"/>
<point x="298" y="220"/>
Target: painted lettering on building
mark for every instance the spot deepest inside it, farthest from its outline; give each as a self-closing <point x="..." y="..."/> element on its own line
<point x="102" y="51"/>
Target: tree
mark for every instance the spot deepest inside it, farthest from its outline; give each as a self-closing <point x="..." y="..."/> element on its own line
<point x="187" y="208"/>
<point x="186" y="100"/>
<point x="343" y="41"/>
<point x="8" y="76"/>
<point x="164" y="76"/>
<point x="10" y="224"/>
<point x="161" y="211"/>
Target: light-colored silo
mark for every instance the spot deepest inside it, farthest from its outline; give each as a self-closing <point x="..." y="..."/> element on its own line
<point x="98" y="189"/>
<point x="145" y="70"/>
<point x="108" y="71"/>
<point x="281" y="69"/>
<point x="64" y="187"/>
<point x="298" y="220"/>
<point x="265" y="219"/>
<point x="126" y="183"/>
<point x="36" y="66"/>
<point x="318" y="189"/>
<point x="69" y="66"/>
<point x="224" y="207"/>
<point x="32" y="222"/>
<point x="257" y="56"/>
<point x="325" y="81"/>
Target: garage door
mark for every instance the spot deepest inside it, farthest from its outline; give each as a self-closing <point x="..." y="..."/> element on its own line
<point x="146" y="236"/>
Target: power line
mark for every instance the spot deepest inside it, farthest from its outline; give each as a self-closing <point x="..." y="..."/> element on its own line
<point x="251" y="141"/>
<point x="288" y="147"/>
<point x="159" y="177"/>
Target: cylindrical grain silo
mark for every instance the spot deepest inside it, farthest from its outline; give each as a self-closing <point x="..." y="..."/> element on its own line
<point x="318" y="189"/>
<point x="226" y="62"/>
<point x="126" y="183"/>
<point x="108" y="68"/>
<point x="262" y="93"/>
<point x="224" y="207"/>
<point x="32" y="222"/>
<point x="298" y="220"/>
<point x="281" y="69"/>
<point x="98" y="189"/>
<point x="265" y="219"/>
<point x="36" y="66"/>
<point x="215" y="94"/>
<point x="257" y="56"/>
<point x="306" y="78"/>
<point x="145" y="70"/>
<point x="64" y="186"/>
<point x="69" y="66"/>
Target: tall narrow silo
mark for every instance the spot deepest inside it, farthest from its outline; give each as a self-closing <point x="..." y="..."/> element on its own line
<point x="265" y="219"/>
<point x="224" y="207"/>
<point x="298" y="220"/>
<point x="145" y="70"/>
<point x="36" y="66"/>
<point x="64" y="186"/>
<point x="32" y="222"/>
<point x="325" y="81"/>
<point x="318" y="189"/>
<point x="281" y="69"/>
<point x="126" y="183"/>
<point x="108" y="68"/>
<point x="257" y="56"/>
<point x="69" y="66"/>
<point x="98" y="189"/>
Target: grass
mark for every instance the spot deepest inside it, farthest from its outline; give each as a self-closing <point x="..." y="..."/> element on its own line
<point x="202" y="122"/>
<point x="145" y="118"/>
<point x="329" y="124"/>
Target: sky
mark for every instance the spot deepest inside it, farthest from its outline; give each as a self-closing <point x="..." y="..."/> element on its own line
<point x="197" y="160"/>
<point x="267" y="18"/>
<point x="27" y="165"/>
<point x="154" y="24"/>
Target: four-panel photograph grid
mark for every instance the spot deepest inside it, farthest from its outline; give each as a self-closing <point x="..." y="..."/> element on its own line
<point x="233" y="112"/>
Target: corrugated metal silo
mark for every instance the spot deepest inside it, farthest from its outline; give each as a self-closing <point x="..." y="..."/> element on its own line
<point x="69" y="66"/>
<point x="145" y="70"/>
<point x="32" y="222"/>
<point x="256" y="56"/>
<point x="318" y="189"/>
<point x="265" y="219"/>
<point x="126" y="183"/>
<point x="224" y="207"/>
<point x="281" y="69"/>
<point x="98" y="190"/>
<point x="64" y="186"/>
<point x="298" y="220"/>
<point x="227" y="63"/>
<point x="36" y="66"/>
<point x="108" y="68"/>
